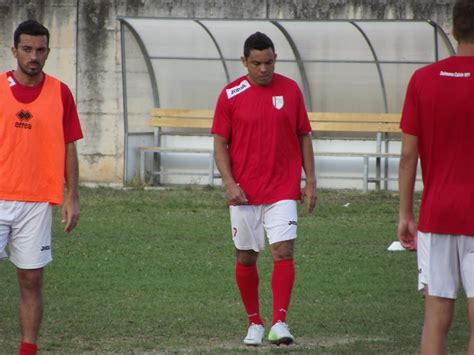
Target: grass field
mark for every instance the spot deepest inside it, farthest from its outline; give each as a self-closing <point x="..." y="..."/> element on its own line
<point x="153" y="271"/>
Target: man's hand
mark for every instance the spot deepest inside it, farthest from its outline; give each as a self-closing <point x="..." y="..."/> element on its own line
<point x="70" y="213"/>
<point x="407" y="233"/>
<point x="309" y="193"/>
<point x="235" y="195"/>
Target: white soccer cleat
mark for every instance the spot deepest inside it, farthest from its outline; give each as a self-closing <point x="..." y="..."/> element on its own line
<point x="280" y="334"/>
<point x="254" y="335"/>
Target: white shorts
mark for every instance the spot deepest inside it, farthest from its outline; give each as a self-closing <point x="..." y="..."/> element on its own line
<point x="443" y="261"/>
<point x="250" y="222"/>
<point x="26" y="228"/>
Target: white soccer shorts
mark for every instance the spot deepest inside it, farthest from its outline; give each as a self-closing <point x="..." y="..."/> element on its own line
<point x="25" y="227"/>
<point x="443" y="262"/>
<point x="250" y="223"/>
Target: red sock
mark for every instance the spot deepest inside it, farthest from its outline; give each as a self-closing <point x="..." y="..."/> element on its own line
<point x="283" y="278"/>
<point x="247" y="281"/>
<point x="27" y="349"/>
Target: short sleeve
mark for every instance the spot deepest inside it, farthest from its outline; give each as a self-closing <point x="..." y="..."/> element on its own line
<point x="71" y="124"/>
<point x="409" y="120"/>
<point x="221" y="124"/>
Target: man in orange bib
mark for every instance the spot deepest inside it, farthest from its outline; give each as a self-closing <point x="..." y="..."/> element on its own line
<point x="38" y="127"/>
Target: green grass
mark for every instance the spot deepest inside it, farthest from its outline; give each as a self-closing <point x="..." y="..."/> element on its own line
<point x="153" y="271"/>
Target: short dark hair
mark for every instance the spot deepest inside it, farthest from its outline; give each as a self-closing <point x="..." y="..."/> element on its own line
<point x="463" y="20"/>
<point x="32" y="28"/>
<point x="258" y="41"/>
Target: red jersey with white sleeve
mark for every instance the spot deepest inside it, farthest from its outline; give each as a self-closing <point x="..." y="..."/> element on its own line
<point x="261" y="125"/>
<point x="439" y="110"/>
<point x="27" y="94"/>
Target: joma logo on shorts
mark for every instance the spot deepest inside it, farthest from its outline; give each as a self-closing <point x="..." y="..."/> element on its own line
<point x="45" y="247"/>
<point x="292" y="223"/>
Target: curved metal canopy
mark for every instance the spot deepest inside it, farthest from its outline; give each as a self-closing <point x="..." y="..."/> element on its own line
<point x="340" y="65"/>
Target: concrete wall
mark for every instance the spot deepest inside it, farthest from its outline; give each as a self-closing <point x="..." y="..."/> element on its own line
<point x="86" y="50"/>
<point x="60" y="18"/>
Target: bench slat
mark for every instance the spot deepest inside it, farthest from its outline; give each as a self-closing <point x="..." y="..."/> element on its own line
<point x="175" y="150"/>
<point x="354" y="127"/>
<point x="181" y="122"/>
<point x="353" y="117"/>
<point x="320" y="121"/>
<point x="182" y="112"/>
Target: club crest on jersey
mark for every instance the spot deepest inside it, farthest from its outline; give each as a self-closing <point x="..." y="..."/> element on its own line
<point x="231" y="92"/>
<point x="278" y="102"/>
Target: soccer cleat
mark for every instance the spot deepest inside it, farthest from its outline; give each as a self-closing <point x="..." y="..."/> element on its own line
<point x="280" y="334"/>
<point x="254" y="334"/>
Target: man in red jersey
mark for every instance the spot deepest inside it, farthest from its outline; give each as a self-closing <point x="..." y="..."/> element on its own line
<point x="38" y="127"/>
<point x="262" y="140"/>
<point x="438" y="125"/>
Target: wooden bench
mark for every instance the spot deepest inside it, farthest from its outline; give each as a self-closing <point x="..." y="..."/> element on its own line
<point x="171" y="118"/>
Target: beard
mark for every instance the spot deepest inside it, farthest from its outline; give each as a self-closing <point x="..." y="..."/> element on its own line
<point x="29" y="70"/>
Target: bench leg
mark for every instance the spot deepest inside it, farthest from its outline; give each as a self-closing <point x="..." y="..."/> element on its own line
<point x="142" y="166"/>
<point x="211" y="168"/>
<point x="365" y="186"/>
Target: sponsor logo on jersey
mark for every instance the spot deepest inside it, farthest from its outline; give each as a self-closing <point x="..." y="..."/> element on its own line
<point x="278" y="102"/>
<point x="11" y="81"/>
<point x="244" y="85"/>
<point x="455" y="74"/>
<point x="23" y="116"/>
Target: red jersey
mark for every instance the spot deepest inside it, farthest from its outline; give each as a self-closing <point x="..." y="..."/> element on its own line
<point x="261" y="125"/>
<point x="27" y="94"/>
<point x="439" y="110"/>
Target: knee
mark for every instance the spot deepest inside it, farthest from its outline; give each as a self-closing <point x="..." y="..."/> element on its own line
<point x="282" y="250"/>
<point x="246" y="257"/>
<point x="30" y="280"/>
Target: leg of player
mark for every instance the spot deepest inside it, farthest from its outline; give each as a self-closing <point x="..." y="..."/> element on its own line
<point x="283" y="278"/>
<point x="470" y="313"/>
<point x="438" y="317"/>
<point x="31" y="308"/>
<point x="246" y="275"/>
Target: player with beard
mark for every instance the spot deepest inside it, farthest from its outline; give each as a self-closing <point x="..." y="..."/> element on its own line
<point x="38" y="129"/>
